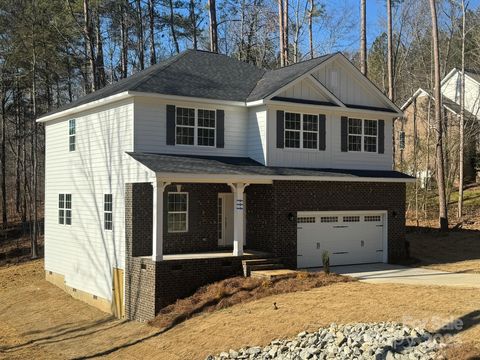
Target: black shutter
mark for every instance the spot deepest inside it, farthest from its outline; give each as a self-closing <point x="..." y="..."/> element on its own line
<point x="170" y="124"/>
<point x="280" y="129"/>
<point x="344" y="133"/>
<point x="381" y="136"/>
<point x="321" y="132"/>
<point x="220" y="128"/>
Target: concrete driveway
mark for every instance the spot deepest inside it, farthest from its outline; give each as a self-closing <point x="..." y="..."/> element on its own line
<point x="387" y="273"/>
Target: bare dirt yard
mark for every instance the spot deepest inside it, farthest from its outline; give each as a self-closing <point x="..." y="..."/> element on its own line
<point x="38" y="320"/>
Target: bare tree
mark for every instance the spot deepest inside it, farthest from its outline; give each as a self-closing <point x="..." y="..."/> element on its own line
<point x="363" y="37"/>
<point x="442" y="201"/>
<point x="151" y="22"/>
<point x="281" y="33"/>
<point x="285" y="31"/>
<point x="3" y="157"/>
<point x="462" y="119"/>
<point x="100" y="64"/>
<point x="391" y="94"/>
<point x="193" y="20"/>
<point x="213" y="26"/>
<point x="140" y="41"/>
<point x="310" y="26"/>
<point x="89" y="43"/>
<point x="124" y="38"/>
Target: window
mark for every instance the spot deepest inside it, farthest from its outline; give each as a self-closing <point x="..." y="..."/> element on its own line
<point x="185" y="129"/>
<point x="220" y="218"/>
<point x="370" y="136"/>
<point x="65" y="209"/>
<point x="195" y="127"/>
<point x="177" y="217"/>
<point x="71" y="134"/>
<point x="372" y="218"/>
<point x="301" y="131"/>
<point x="402" y="140"/>
<point x="351" y="218"/>
<point x="306" y="219"/>
<point x="362" y="134"/>
<point x="328" y="219"/>
<point x="108" y="211"/>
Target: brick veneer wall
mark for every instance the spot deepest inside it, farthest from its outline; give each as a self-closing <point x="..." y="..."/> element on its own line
<point x="259" y="217"/>
<point x="292" y="196"/>
<point x="202" y="234"/>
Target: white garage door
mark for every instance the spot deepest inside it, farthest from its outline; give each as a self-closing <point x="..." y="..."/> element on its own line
<point x="349" y="238"/>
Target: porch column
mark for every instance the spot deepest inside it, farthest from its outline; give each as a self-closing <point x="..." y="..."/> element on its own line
<point x="158" y="189"/>
<point x="238" y="217"/>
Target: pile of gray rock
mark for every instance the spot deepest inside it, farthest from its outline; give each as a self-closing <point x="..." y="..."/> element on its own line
<point x="377" y="341"/>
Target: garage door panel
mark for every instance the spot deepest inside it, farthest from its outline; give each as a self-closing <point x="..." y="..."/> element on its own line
<point x="348" y="238"/>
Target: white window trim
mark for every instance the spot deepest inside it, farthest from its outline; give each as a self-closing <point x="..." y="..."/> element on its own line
<point x="362" y="137"/>
<point x="301" y="131"/>
<point x="107" y="212"/>
<point x="74" y="135"/>
<point x="178" y="212"/>
<point x="64" y="209"/>
<point x="196" y="127"/>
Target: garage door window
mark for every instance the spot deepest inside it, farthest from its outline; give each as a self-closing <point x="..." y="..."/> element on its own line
<point x="373" y="218"/>
<point x="329" y="219"/>
<point x="306" y="219"/>
<point x="351" y="218"/>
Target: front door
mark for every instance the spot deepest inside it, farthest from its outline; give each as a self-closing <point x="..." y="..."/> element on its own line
<point x="225" y="219"/>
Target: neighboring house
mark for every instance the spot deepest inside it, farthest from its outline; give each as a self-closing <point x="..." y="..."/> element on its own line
<point x="167" y="180"/>
<point x="418" y="123"/>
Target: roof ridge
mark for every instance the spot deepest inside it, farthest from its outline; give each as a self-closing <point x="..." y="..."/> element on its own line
<point x="305" y="61"/>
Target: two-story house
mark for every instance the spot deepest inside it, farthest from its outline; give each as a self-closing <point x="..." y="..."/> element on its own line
<point x="167" y="180"/>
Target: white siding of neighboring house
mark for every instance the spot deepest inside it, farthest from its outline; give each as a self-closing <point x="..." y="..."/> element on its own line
<point x="332" y="157"/>
<point x="150" y="129"/>
<point x="346" y="84"/>
<point x="84" y="252"/>
<point x="257" y="133"/>
<point x="451" y="90"/>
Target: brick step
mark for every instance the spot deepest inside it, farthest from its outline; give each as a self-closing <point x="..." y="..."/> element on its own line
<point x="262" y="261"/>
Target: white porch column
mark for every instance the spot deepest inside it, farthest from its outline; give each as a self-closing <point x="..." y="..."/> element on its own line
<point x="158" y="189"/>
<point x="238" y="217"/>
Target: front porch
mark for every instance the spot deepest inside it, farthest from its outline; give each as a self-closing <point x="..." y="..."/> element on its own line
<point x="247" y="254"/>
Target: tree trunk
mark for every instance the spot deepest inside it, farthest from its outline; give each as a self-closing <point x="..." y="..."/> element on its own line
<point x="281" y="33"/>
<point x="193" y="20"/>
<point x="391" y="94"/>
<point x="363" y="37"/>
<point x="296" y="34"/>
<point x="100" y="64"/>
<point x="124" y="40"/>
<point x="443" y="213"/>
<point x="462" y="122"/>
<point x="310" y="26"/>
<point x="151" y="20"/>
<point x="88" y="35"/>
<point x="172" y="27"/>
<point x="141" y="46"/>
<point x="213" y="26"/>
<point x="34" y="148"/>
<point x="3" y="160"/>
<point x="285" y="31"/>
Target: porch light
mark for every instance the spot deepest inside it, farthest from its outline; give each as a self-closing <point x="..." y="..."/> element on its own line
<point x="291" y="217"/>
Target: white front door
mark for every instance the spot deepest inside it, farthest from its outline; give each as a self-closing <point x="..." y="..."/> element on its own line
<point x="225" y="219"/>
<point x="349" y="238"/>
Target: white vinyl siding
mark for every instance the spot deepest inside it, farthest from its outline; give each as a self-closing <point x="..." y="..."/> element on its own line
<point x="257" y="134"/>
<point x="150" y="129"/>
<point x="332" y="157"/>
<point x="83" y="252"/>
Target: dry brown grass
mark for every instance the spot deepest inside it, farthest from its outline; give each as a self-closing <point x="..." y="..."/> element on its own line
<point x="455" y="251"/>
<point x="39" y="321"/>
<point x="229" y="292"/>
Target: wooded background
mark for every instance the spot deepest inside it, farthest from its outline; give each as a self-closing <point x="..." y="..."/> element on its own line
<point x="54" y="51"/>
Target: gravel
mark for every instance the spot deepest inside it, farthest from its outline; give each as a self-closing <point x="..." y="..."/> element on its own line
<point x="359" y="341"/>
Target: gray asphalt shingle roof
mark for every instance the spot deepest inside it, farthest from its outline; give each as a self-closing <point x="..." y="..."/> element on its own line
<point x="221" y="165"/>
<point x="196" y="73"/>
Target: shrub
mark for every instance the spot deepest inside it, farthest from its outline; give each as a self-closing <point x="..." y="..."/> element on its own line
<point x="326" y="261"/>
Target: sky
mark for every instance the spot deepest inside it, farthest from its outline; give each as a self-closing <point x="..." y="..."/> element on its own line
<point x="376" y="14"/>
